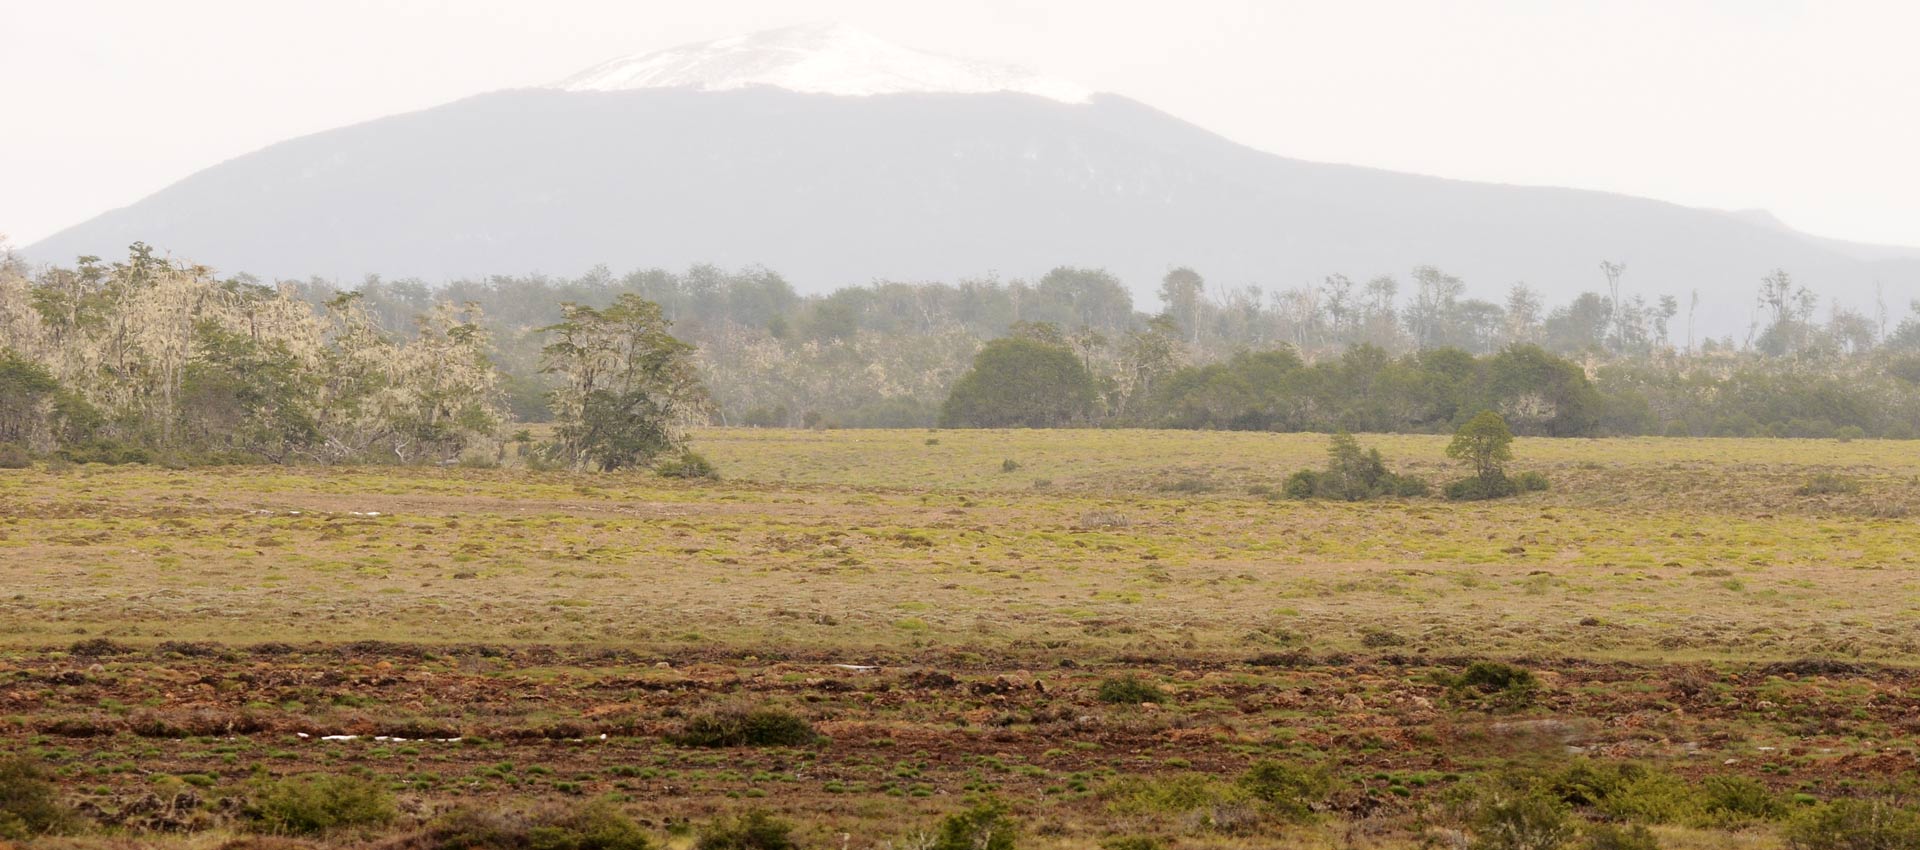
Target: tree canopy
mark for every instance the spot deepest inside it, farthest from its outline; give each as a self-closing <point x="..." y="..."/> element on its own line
<point x="1019" y="382"/>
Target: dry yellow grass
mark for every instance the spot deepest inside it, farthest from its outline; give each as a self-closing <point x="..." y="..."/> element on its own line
<point x="875" y="540"/>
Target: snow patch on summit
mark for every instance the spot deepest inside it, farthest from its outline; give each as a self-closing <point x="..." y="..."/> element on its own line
<point x="818" y="59"/>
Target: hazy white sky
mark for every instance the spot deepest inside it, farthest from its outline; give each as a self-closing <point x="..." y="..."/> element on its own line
<point x="1803" y="108"/>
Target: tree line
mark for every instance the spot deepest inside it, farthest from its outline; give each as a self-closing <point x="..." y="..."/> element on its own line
<point x="153" y="360"/>
<point x="888" y="354"/>
<point x="147" y="357"/>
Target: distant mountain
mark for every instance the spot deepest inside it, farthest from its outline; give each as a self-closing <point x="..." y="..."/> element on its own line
<point x="835" y="159"/>
<point x="816" y="59"/>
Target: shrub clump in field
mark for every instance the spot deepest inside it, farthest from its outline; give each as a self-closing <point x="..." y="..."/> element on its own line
<point x="750" y="830"/>
<point x="1606" y="836"/>
<point x="1289" y="791"/>
<point x="1496" y="683"/>
<point x="1855" y="825"/>
<point x="687" y="464"/>
<point x="1828" y="484"/>
<point x="1486" y="445"/>
<point x="318" y="803"/>
<point x="1523" y="821"/>
<point x="986" y="826"/>
<point x="1129" y="690"/>
<point x="13" y="456"/>
<point x="595" y="826"/>
<point x="1629" y="792"/>
<point x="746" y="726"/>
<point x="1352" y="475"/>
<point x="29" y="804"/>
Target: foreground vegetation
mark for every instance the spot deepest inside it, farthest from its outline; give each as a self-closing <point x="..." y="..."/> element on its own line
<point x="959" y="639"/>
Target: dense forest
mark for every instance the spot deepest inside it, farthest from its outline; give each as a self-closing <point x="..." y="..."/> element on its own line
<point x="122" y="360"/>
<point x="1379" y="356"/>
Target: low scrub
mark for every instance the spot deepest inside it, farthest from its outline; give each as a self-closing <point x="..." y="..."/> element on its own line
<point x="1129" y="690"/>
<point x="29" y="804"/>
<point x="1606" y="836"/>
<point x="746" y="726"/>
<point x="1522" y="821"/>
<point x="595" y="826"/>
<point x="1855" y="825"/>
<point x="1353" y="474"/>
<point x="750" y="830"/>
<point x="985" y="826"/>
<point x="1828" y="484"/>
<point x="1494" y="684"/>
<point x="687" y="465"/>
<point x="1627" y="792"/>
<point x="1288" y="791"/>
<point x="317" y="803"/>
<point x="1174" y="795"/>
<point x="14" y="456"/>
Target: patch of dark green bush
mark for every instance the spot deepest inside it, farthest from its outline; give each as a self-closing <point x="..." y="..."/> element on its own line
<point x="750" y="830"/>
<point x="598" y="825"/>
<point x="317" y="803"/>
<point x="1606" y="836"/>
<point x="1287" y="790"/>
<point x="105" y="451"/>
<point x="1353" y="474"/>
<point x="1505" y="818"/>
<point x="1631" y="792"/>
<point x="1481" y="489"/>
<point x="1855" y="825"/>
<point x="985" y="826"/>
<point x="29" y="804"/>
<point x="14" y="456"/>
<point x="1129" y="690"/>
<point x="1132" y="842"/>
<point x="1495" y="683"/>
<point x="1731" y="801"/>
<point x="745" y="726"/>
<point x="1624" y="790"/>
<point x="687" y="464"/>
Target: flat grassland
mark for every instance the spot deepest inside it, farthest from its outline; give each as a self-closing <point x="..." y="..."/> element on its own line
<point x="944" y="606"/>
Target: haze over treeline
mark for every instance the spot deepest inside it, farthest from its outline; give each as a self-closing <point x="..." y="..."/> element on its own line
<point x="146" y="357"/>
<point x="886" y="354"/>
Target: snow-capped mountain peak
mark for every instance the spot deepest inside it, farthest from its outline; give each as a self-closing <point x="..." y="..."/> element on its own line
<point x="815" y="59"/>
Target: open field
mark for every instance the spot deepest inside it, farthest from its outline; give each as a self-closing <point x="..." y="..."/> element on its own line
<point x="947" y="624"/>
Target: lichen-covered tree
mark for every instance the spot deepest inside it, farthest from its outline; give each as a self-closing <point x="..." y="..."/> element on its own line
<point x="154" y="356"/>
<point x="628" y="388"/>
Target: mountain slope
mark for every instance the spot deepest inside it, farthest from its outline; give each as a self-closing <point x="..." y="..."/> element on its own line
<point x="833" y="190"/>
<point x="814" y="59"/>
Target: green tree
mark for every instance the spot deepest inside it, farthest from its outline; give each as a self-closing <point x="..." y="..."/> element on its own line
<point x="628" y="387"/>
<point x="1021" y="383"/>
<point x="1540" y="393"/>
<point x="1485" y="444"/>
<point x="245" y="394"/>
<point x="26" y="389"/>
<point x="1182" y="302"/>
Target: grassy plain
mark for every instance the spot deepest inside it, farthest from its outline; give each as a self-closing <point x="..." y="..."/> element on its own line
<point x="1688" y="603"/>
